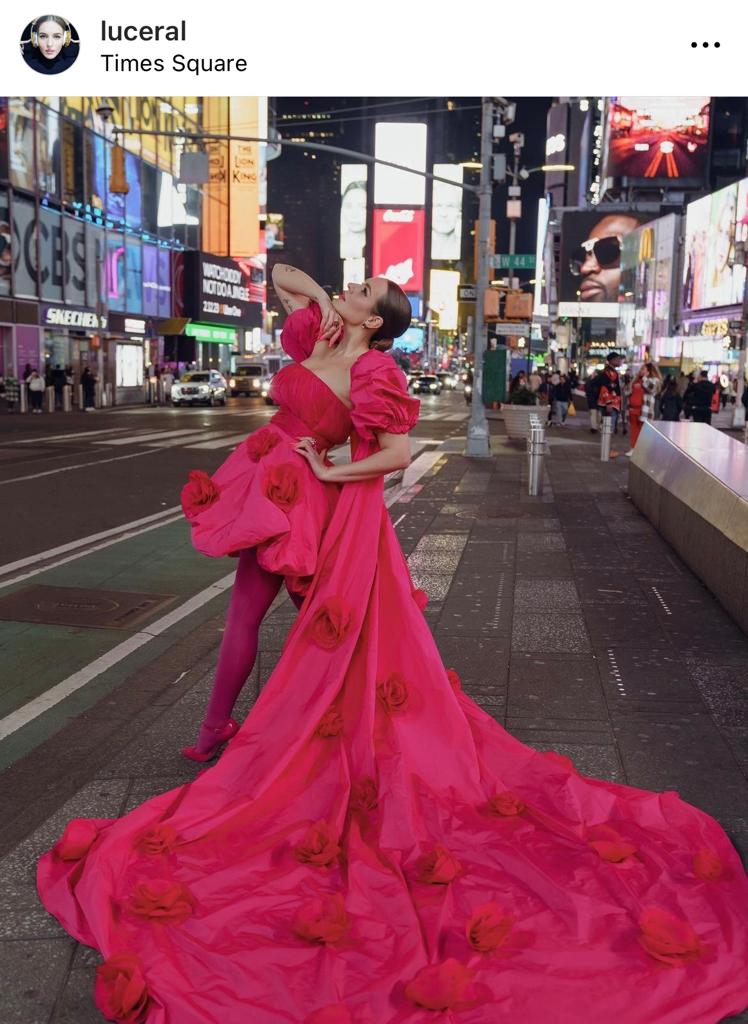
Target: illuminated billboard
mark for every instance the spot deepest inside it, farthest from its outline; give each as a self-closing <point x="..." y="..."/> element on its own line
<point x="398" y="247"/>
<point x="651" y="137"/>
<point x="405" y="144"/>
<point x="648" y="271"/>
<point x="711" y="275"/>
<point x="443" y="297"/>
<point x="446" y="214"/>
<point x="591" y="261"/>
<point x="353" y="178"/>
<point x="540" y="301"/>
<point x="411" y="340"/>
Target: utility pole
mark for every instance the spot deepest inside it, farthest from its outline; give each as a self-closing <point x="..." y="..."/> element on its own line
<point x="478" y="441"/>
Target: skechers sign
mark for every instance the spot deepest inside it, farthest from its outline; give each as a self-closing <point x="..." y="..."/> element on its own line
<point x="223" y="290"/>
<point x="65" y="316"/>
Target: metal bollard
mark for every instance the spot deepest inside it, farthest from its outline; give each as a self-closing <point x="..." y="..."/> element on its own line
<point x="81" y="406"/>
<point x="49" y="396"/>
<point x="98" y="394"/>
<point x="108" y="395"/>
<point x="24" y="397"/>
<point x="606" y="436"/>
<point x="536" y="450"/>
<point x="67" y="398"/>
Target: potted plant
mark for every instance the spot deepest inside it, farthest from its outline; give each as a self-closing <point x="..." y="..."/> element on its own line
<point x="523" y="402"/>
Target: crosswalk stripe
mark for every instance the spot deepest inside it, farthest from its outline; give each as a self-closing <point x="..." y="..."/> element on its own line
<point x="175" y="442"/>
<point x="141" y="438"/>
<point x="70" y="437"/>
<point x="223" y="442"/>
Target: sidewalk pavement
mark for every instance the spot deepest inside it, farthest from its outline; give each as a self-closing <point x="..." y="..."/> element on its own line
<point x="569" y="619"/>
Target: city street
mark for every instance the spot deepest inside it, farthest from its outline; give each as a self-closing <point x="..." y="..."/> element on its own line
<point x="568" y="618"/>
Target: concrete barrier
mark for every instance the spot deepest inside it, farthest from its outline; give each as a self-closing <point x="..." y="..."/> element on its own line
<point x="691" y="482"/>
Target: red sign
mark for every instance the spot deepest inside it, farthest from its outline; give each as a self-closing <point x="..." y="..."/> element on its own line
<point x="398" y="247"/>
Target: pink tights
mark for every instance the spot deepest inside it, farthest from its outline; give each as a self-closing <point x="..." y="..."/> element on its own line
<point x="254" y="591"/>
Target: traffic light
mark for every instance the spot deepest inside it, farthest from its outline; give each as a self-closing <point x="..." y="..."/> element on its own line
<point x="118" y="179"/>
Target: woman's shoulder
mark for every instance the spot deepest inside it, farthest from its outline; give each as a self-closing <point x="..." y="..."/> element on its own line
<point x="376" y="364"/>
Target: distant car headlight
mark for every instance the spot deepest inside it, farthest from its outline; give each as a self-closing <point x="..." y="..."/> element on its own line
<point x="232" y="383"/>
<point x="433" y="387"/>
<point x="256" y="382"/>
<point x="205" y="387"/>
<point x="468" y="389"/>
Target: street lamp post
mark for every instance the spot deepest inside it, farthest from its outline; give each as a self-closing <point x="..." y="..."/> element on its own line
<point x="478" y="442"/>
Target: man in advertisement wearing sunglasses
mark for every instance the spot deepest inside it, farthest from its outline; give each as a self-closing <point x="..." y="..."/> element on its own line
<point x="597" y="261"/>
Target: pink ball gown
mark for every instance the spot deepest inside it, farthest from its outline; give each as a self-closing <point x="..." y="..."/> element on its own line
<point x="372" y="848"/>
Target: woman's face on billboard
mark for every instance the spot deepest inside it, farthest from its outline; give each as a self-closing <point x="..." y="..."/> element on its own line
<point x="51" y="36"/>
<point x="353" y="209"/>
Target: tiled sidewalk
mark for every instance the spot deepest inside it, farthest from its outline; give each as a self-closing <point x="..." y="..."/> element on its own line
<point x="567" y="617"/>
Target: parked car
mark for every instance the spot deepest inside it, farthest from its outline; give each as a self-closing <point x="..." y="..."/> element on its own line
<point x="265" y="389"/>
<point x="428" y="384"/>
<point x="247" y="379"/>
<point x="448" y="380"/>
<point x="205" y="386"/>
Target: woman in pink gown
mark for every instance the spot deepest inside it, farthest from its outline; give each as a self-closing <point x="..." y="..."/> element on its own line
<point x="264" y="504"/>
<point x="373" y="848"/>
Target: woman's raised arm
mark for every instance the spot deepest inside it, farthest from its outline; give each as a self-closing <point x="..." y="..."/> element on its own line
<point x="295" y="289"/>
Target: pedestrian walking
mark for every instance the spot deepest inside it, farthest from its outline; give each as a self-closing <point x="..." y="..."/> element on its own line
<point x="88" y="382"/>
<point x="641" y="401"/>
<point x="701" y="396"/>
<point x="560" y="400"/>
<point x="37" y="388"/>
<point x="607" y="385"/>
<point x="590" y="390"/>
<point x="671" y="402"/>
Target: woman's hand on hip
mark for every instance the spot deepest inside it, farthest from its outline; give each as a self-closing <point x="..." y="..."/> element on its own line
<point x="307" y="447"/>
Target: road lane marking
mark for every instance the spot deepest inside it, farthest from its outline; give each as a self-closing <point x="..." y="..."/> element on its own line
<point x="92" y="538"/>
<point x="28" y="712"/>
<point x="66" y="437"/>
<point x="174" y="442"/>
<point x="222" y="443"/>
<point x="80" y="465"/>
<point x="153" y="435"/>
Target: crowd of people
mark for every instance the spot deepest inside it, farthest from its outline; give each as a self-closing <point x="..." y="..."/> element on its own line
<point x="36" y="384"/>
<point x="628" y="399"/>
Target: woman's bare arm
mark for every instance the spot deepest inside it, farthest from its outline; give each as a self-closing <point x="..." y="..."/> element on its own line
<point x="394" y="454"/>
<point x="296" y="290"/>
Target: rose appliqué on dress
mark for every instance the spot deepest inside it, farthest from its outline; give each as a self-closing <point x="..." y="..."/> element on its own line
<point x="76" y="840"/>
<point x="283" y="485"/>
<point x="330" y="623"/>
<point x="669" y="939"/>
<point x="454" y="680"/>
<point x="488" y="928"/>
<point x="319" y="847"/>
<point x="335" y="1013"/>
<point x="437" y="867"/>
<point x="260" y="443"/>
<point x="394" y="694"/>
<point x="160" y="899"/>
<point x="446" y="986"/>
<point x="331" y="724"/>
<point x="364" y="795"/>
<point x="506" y="804"/>
<point x="121" y="992"/>
<point x="708" y="866"/>
<point x="322" y="920"/>
<point x="198" y="494"/>
<point x="156" y="840"/>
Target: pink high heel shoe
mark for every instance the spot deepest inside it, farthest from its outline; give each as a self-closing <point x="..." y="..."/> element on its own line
<point x="222" y="735"/>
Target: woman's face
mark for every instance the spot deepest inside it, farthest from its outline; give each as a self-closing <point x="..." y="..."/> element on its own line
<point x="357" y="302"/>
<point x="51" y="37"/>
<point x="353" y="209"/>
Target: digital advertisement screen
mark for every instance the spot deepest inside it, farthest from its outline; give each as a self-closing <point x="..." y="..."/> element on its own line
<point x="647" y="307"/>
<point x="404" y="144"/>
<point x="446" y="214"/>
<point x="710" y="276"/>
<point x="353" y="207"/>
<point x="411" y="340"/>
<point x="591" y="261"/>
<point x="398" y="247"/>
<point x="443" y="297"/>
<point x="657" y="137"/>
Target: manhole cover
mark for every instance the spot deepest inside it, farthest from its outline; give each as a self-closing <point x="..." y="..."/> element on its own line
<point x="74" y="606"/>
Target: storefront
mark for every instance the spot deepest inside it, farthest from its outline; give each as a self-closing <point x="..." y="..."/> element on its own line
<point x="72" y="338"/>
<point x="128" y="356"/>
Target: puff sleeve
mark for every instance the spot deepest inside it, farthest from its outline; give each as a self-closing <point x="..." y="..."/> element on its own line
<point x="301" y="332"/>
<point x="380" y="398"/>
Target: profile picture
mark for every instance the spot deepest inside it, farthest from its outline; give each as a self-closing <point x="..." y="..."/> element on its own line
<point x="50" y="44"/>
